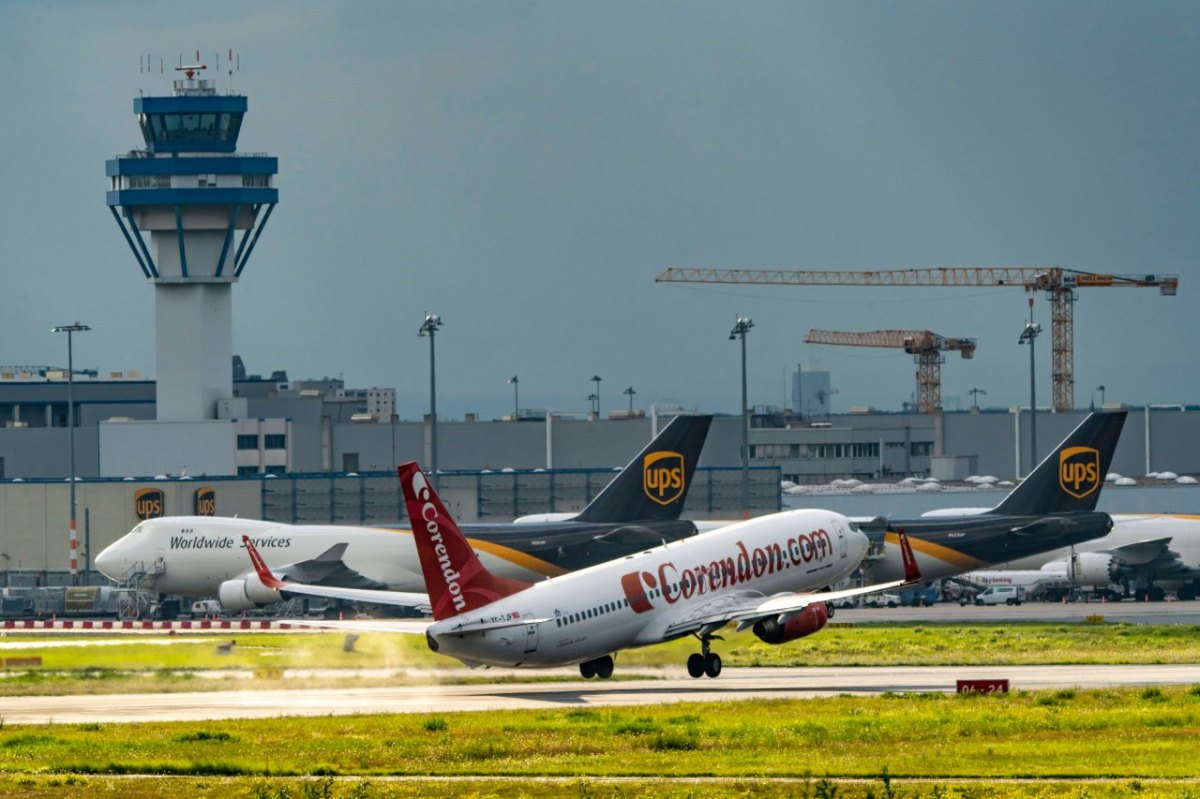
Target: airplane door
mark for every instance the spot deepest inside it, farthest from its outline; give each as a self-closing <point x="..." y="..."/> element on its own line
<point x="531" y="636"/>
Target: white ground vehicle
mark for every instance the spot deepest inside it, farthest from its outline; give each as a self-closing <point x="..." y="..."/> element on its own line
<point x="1001" y="594"/>
<point x="882" y="600"/>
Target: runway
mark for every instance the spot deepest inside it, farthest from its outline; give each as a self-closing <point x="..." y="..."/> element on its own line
<point x="952" y="612"/>
<point x="673" y="686"/>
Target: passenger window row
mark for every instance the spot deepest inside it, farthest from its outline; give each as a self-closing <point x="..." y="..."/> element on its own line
<point x="591" y="613"/>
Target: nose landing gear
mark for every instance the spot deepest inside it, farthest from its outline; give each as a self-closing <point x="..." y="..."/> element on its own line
<point x="704" y="662"/>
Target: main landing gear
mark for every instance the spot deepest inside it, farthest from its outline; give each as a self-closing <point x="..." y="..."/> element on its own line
<point x="704" y="662"/>
<point x="600" y="667"/>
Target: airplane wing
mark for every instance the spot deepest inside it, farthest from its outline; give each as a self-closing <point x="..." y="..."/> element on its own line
<point x="377" y="597"/>
<point x="1154" y="555"/>
<point x="746" y="608"/>
<point x="328" y="569"/>
<point x="1140" y="553"/>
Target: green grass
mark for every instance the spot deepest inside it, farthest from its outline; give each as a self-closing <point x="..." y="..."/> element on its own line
<point x="579" y="788"/>
<point x="1115" y="734"/>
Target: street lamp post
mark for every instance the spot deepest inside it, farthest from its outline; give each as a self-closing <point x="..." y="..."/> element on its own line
<point x="1101" y="390"/>
<point x="1028" y="336"/>
<point x="740" y="327"/>
<point x="596" y="380"/>
<point x="70" y="330"/>
<point x="629" y="392"/>
<point x="428" y="328"/>
<point x="516" y="402"/>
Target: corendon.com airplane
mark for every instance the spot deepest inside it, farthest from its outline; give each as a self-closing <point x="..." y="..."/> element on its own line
<point x="761" y="574"/>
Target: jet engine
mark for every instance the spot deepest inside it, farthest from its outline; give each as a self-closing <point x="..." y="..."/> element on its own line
<point x="807" y="622"/>
<point x="1093" y="568"/>
<point x="245" y="593"/>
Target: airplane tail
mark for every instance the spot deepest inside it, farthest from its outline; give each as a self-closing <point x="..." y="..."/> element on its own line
<point x="1070" y="478"/>
<point x="654" y="485"/>
<point x="455" y="579"/>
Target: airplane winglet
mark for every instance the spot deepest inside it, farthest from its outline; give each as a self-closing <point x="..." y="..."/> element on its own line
<point x="912" y="573"/>
<point x="264" y="574"/>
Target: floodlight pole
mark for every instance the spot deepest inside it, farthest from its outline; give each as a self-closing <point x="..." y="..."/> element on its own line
<point x="428" y="328"/>
<point x="70" y="330"/>
<point x="1028" y="336"/>
<point x="740" y="327"/>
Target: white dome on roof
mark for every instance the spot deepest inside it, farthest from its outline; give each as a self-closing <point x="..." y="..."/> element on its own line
<point x="1186" y="480"/>
<point x="1124" y="481"/>
<point x="1111" y="476"/>
<point x="1167" y="476"/>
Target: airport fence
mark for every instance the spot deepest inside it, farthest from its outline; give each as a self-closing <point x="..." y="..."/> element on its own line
<point x="375" y="497"/>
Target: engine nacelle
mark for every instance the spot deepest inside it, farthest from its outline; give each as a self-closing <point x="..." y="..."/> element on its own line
<point x="1097" y="568"/>
<point x="246" y="593"/>
<point x="807" y="622"/>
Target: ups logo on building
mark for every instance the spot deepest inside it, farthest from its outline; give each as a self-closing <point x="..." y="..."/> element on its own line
<point x="1079" y="471"/>
<point x="148" y="503"/>
<point x="206" y="501"/>
<point x="662" y="477"/>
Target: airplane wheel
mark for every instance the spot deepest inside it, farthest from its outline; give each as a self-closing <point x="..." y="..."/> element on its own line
<point x="712" y="664"/>
<point x="695" y="664"/>
<point x="604" y="667"/>
<point x="588" y="669"/>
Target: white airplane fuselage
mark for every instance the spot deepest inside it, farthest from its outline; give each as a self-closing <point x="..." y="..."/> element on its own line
<point x="193" y="555"/>
<point x="636" y="600"/>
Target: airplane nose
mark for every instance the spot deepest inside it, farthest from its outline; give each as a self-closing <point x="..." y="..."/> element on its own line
<point x="109" y="562"/>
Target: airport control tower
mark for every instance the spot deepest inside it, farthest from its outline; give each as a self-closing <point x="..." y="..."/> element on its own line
<point x="192" y="209"/>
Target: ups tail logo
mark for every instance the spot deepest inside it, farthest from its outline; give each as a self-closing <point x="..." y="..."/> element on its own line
<point x="206" y="501"/>
<point x="148" y="503"/>
<point x="1079" y="471"/>
<point x="662" y="477"/>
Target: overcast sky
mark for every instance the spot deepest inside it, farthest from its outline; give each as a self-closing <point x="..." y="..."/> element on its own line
<point x="525" y="169"/>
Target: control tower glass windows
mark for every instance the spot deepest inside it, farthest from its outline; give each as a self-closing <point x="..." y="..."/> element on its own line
<point x="197" y="127"/>
<point x="148" y="182"/>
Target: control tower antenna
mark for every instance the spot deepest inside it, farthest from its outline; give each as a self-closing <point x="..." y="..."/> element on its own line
<point x="203" y="214"/>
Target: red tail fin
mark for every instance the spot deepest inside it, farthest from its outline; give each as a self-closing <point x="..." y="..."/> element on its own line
<point x="912" y="573"/>
<point x="455" y="579"/>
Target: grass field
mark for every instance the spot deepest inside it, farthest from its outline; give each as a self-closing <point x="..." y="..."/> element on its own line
<point x="1073" y="743"/>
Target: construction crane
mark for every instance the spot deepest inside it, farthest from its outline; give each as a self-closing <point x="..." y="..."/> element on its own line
<point x="1058" y="283"/>
<point x="925" y="346"/>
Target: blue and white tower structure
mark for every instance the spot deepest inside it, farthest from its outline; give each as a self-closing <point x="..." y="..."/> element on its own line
<point x="202" y="207"/>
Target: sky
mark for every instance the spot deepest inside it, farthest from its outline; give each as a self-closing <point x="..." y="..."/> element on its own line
<point x="526" y="169"/>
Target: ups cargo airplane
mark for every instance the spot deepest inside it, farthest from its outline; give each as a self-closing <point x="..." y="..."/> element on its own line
<point x="770" y="574"/>
<point x="203" y="556"/>
<point x="1054" y="507"/>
